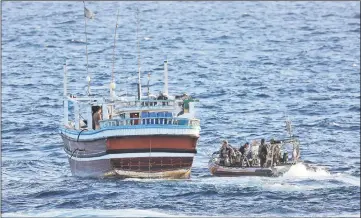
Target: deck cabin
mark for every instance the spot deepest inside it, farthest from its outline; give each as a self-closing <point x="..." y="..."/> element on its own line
<point x="127" y="112"/>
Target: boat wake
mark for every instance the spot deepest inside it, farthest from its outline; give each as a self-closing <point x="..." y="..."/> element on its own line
<point x="301" y="170"/>
<point x="301" y="177"/>
<point x="305" y="171"/>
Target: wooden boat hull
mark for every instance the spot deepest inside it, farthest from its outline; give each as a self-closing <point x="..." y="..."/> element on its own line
<point x="162" y="156"/>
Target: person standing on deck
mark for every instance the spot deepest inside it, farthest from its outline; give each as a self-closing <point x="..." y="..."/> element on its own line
<point x="97" y="116"/>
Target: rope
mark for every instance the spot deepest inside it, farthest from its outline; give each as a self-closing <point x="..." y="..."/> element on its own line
<point x="77" y="149"/>
<point x="77" y="140"/>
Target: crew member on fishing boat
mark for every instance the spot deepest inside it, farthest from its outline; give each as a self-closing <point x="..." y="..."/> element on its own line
<point x="97" y="117"/>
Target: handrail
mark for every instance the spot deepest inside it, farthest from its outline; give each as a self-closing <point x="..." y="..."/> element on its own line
<point x="149" y="121"/>
<point x="143" y="102"/>
<point x="146" y="103"/>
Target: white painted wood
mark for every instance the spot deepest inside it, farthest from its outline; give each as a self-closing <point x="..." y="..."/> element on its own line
<point x="66" y="113"/>
<point x="89" y="116"/>
<point x="76" y="115"/>
<point x="133" y="132"/>
<point x="105" y="112"/>
<point x="133" y="155"/>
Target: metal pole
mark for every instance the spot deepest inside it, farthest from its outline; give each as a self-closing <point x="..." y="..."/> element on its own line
<point x="139" y="85"/>
<point x="115" y="35"/>
<point x="86" y="50"/>
<point x="148" y="85"/>
<point x="66" y="113"/>
<point x="165" y="77"/>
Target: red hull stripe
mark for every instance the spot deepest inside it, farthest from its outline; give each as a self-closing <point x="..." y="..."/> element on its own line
<point x="154" y="142"/>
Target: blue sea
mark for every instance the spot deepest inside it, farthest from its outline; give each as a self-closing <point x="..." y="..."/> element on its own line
<point x="251" y="64"/>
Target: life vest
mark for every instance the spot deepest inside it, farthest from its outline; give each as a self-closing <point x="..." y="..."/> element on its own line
<point x="238" y="157"/>
<point x="227" y="162"/>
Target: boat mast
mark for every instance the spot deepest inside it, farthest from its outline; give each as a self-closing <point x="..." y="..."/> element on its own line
<point x="65" y="95"/>
<point x="90" y="15"/>
<point x="165" y="89"/>
<point x="289" y="127"/>
<point x="148" y="93"/>
<point x="115" y="36"/>
<point x="139" y="85"/>
<point x="112" y="83"/>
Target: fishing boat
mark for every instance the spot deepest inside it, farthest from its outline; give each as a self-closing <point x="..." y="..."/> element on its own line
<point x="277" y="160"/>
<point x="140" y="136"/>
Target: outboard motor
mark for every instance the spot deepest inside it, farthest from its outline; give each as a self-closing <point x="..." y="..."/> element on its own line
<point x="296" y="152"/>
<point x="285" y="157"/>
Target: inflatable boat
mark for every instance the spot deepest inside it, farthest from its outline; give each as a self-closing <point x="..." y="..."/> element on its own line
<point x="217" y="169"/>
<point x="261" y="158"/>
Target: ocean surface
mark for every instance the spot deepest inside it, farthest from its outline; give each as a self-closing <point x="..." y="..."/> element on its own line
<point x="249" y="63"/>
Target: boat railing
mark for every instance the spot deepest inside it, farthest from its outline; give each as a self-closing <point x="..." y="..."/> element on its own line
<point x="150" y="121"/>
<point x="149" y="103"/>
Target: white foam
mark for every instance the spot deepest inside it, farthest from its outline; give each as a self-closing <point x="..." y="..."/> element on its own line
<point x="345" y="178"/>
<point x="291" y="181"/>
<point x="288" y="187"/>
<point x="301" y="171"/>
<point x="90" y="213"/>
<point x="335" y="124"/>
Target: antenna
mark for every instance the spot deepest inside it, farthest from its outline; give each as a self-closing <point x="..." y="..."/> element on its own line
<point x="139" y="85"/>
<point x="289" y="126"/>
<point x="148" y="85"/>
<point x="115" y="36"/>
<point x="165" y="88"/>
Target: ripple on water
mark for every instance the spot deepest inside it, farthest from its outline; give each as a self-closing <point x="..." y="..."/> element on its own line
<point x="249" y="63"/>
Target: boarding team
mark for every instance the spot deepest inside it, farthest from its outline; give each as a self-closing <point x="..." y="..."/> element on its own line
<point x="230" y="156"/>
